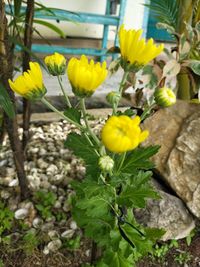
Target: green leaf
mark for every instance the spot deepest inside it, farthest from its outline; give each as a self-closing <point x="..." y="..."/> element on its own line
<point x="154" y="233"/>
<point x="117" y="259"/>
<point x="138" y="159"/>
<point x="134" y="196"/>
<point x="195" y="66"/>
<point x="5" y="102"/>
<point x="166" y="27"/>
<point x="73" y="114"/>
<point x="166" y="11"/>
<point x="82" y="148"/>
<point x="17" y="7"/>
<point x="94" y="206"/>
<point x="50" y="26"/>
<point x="142" y="244"/>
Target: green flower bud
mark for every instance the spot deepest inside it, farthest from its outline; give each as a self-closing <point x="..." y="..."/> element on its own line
<point x="106" y="164"/>
<point x="164" y="97"/>
<point x="113" y="98"/>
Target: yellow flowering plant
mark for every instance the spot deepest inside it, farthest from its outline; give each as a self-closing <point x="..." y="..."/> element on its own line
<point x="118" y="166"/>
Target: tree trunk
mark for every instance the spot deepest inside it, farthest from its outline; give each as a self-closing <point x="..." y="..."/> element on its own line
<point x="26" y="59"/>
<point x="6" y="63"/>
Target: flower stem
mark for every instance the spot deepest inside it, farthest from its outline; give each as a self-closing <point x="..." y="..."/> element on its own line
<point x="50" y="106"/>
<point x="63" y="91"/>
<point x="146" y="112"/>
<point x="95" y="138"/>
<point x="123" y="156"/>
<point x="121" y="87"/>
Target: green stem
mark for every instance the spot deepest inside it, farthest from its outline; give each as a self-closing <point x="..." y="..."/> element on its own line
<point x="95" y="138"/>
<point x="183" y="86"/>
<point x="146" y="112"/>
<point x="50" y="106"/>
<point x="123" y="156"/>
<point x="63" y="91"/>
<point x="121" y="87"/>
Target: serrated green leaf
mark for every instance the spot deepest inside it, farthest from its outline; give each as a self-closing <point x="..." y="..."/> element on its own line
<point x="73" y="114"/>
<point x="5" y="102"/>
<point x="94" y="206"/>
<point x="82" y="148"/>
<point x="137" y="197"/>
<point x="139" y="159"/>
<point x="143" y="245"/>
<point x="154" y="233"/>
<point x="117" y="259"/>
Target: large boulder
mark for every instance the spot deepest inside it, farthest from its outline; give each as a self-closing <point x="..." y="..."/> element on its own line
<point x="176" y="130"/>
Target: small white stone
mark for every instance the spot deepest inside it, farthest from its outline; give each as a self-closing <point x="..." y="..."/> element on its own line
<point x="5" y="194"/>
<point x="57" y="204"/>
<point x="73" y="225"/>
<point x="53" y="234"/>
<point x="3" y="162"/>
<point x="68" y="233"/>
<point x="14" y="183"/>
<point x="37" y="222"/>
<point x="54" y="245"/>
<point x="46" y="250"/>
<point x="21" y="214"/>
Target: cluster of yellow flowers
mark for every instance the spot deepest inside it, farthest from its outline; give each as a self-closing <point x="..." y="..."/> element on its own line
<point x="120" y="133"/>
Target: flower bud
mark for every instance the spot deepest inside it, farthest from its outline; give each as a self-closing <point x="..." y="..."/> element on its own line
<point x="30" y="84"/>
<point x="113" y="98"/>
<point x="56" y="64"/>
<point x="164" y="97"/>
<point x="106" y="163"/>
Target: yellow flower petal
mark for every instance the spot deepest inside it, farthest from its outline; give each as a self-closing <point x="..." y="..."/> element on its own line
<point x="121" y="133"/>
<point x="136" y="51"/>
<point x="85" y="76"/>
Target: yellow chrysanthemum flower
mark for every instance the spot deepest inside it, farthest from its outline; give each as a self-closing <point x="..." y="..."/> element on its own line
<point x="164" y="97"/>
<point x="85" y="76"/>
<point x="134" y="50"/>
<point x="56" y="64"/>
<point x="29" y="84"/>
<point x="122" y="133"/>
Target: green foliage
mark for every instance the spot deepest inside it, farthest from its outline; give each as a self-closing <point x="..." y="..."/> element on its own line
<point x="46" y="201"/>
<point x="166" y="11"/>
<point x="84" y="149"/>
<point x="73" y="114"/>
<point x="73" y="244"/>
<point x="103" y="205"/>
<point x="183" y="258"/>
<point x="1" y="263"/>
<point x="5" y="102"/>
<point x="50" y="26"/>
<point x="139" y="159"/>
<point x="30" y="242"/>
<point x="6" y="219"/>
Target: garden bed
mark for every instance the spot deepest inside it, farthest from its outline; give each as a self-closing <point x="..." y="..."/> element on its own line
<point x="41" y="230"/>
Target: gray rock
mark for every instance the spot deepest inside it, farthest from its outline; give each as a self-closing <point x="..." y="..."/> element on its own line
<point x="168" y="213"/>
<point x="177" y="129"/>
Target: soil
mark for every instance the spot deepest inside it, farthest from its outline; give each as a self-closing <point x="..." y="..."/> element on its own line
<point x="12" y="257"/>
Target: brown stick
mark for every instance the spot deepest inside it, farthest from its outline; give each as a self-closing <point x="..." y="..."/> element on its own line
<point x="6" y="65"/>
<point x="26" y="59"/>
